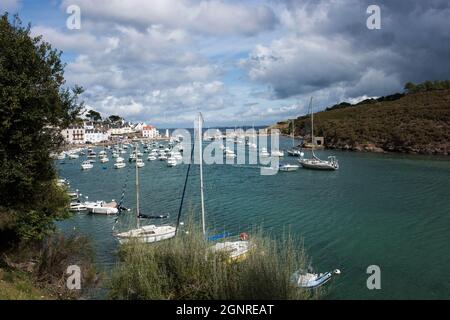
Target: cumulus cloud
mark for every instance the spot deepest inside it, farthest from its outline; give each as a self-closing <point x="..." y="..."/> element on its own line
<point x="211" y="17"/>
<point x="163" y="60"/>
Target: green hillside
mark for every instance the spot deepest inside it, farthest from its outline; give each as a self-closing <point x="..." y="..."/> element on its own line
<point x="417" y="122"/>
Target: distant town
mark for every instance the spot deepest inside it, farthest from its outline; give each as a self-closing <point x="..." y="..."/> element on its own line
<point x="92" y="129"/>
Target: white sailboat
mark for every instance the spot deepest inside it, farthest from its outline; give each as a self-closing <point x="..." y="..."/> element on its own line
<point x="314" y="162"/>
<point x="294" y="152"/>
<point x="235" y="249"/>
<point x="147" y="233"/>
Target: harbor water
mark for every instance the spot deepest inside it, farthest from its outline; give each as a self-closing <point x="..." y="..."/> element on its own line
<point x="388" y="210"/>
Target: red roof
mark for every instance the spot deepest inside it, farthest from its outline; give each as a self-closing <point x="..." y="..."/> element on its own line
<point x="147" y="127"/>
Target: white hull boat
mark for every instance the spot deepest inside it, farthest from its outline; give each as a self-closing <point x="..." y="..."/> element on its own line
<point x="312" y="280"/>
<point x="288" y="167"/>
<point x="277" y="153"/>
<point x="102" y="208"/>
<point x="86" y="165"/>
<point x="147" y="234"/>
<point x="317" y="164"/>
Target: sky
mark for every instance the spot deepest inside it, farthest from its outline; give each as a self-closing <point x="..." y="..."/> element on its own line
<point x="239" y="62"/>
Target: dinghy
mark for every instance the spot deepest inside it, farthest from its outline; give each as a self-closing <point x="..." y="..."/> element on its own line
<point x="311" y="280"/>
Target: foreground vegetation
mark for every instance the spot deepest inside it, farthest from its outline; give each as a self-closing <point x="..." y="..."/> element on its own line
<point x="186" y="268"/>
<point x="34" y="106"/>
<point x="415" y="122"/>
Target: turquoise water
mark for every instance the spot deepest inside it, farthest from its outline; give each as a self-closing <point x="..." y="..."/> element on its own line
<point x="387" y="210"/>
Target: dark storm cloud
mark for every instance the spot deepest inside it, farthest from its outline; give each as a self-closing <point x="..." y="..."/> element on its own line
<point x="331" y="47"/>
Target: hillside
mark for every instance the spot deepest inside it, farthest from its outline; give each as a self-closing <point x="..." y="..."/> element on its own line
<point x="413" y="123"/>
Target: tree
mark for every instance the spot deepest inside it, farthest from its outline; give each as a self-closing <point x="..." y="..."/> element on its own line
<point x="410" y="87"/>
<point x="114" y="118"/>
<point x="34" y="107"/>
<point x="94" y="115"/>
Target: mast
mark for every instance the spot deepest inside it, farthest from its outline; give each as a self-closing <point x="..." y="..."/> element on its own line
<point x="200" y="154"/>
<point x="137" y="189"/>
<point x="293" y="128"/>
<point x="312" y="127"/>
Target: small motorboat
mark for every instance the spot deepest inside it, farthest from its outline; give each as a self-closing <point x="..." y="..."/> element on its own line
<point x="140" y="163"/>
<point x="277" y="153"/>
<point x="288" y="167"/>
<point x="171" y="162"/>
<point x="86" y="165"/>
<point x="73" y="156"/>
<point x="310" y="280"/>
<point x="77" y="206"/>
<point x="264" y="153"/>
<point x="151" y="158"/>
<point x="104" y="160"/>
<point x="295" y="153"/>
<point x="101" y="207"/>
<point x="119" y="165"/>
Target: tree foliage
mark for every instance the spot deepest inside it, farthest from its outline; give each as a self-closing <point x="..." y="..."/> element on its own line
<point x="94" y="115"/>
<point x="34" y="106"/>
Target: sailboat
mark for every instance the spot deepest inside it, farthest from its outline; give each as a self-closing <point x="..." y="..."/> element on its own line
<point x="148" y="233"/>
<point x="314" y="162"/>
<point x="236" y="250"/>
<point x="294" y="152"/>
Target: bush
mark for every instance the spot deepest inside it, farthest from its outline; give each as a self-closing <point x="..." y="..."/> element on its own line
<point x="186" y="268"/>
<point x="46" y="263"/>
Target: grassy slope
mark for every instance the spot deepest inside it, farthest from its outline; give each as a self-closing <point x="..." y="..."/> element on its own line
<point x="18" y="286"/>
<point x="416" y="123"/>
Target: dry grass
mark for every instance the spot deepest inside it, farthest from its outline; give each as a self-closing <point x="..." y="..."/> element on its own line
<point x="185" y="268"/>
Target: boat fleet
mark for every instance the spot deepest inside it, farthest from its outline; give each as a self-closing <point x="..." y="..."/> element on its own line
<point x="171" y="153"/>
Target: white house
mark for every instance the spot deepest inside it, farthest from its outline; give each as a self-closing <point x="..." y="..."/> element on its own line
<point x="96" y="136"/>
<point x="74" y="135"/>
<point x="139" y="126"/>
<point x="149" y="132"/>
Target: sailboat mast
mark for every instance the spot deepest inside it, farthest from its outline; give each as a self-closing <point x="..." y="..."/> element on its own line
<point x="312" y="126"/>
<point x="200" y="154"/>
<point x="137" y="189"/>
<point x="293" y="128"/>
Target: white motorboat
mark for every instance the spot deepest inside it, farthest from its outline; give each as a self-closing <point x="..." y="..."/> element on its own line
<point x="151" y="158"/>
<point x="73" y="156"/>
<point x="119" y="165"/>
<point x="288" y="167"/>
<point x="104" y="159"/>
<point x="311" y="280"/>
<point x="295" y="153"/>
<point x="102" y="207"/>
<point x="140" y="163"/>
<point x="162" y="157"/>
<point x="77" y="207"/>
<point x="264" y="153"/>
<point x="147" y="233"/>
<point x="61" y="156"/>
<point x="86" y="165"/>
<point x="277" y="153"/>
<point x="171" y="162"/>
